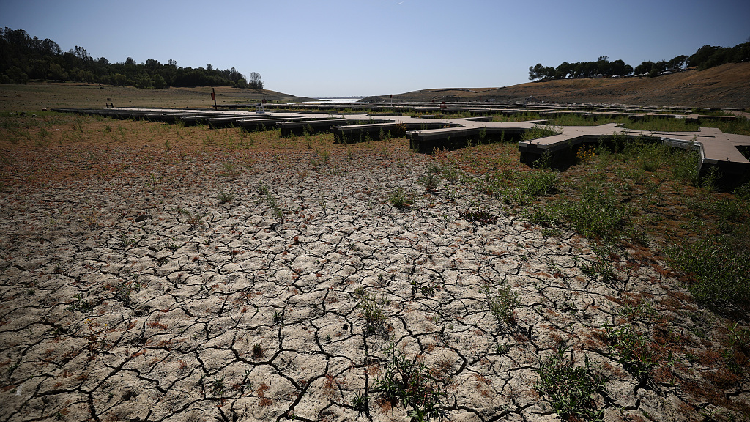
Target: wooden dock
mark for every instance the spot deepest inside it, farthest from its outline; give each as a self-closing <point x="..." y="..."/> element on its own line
<point x="426" y="134"/>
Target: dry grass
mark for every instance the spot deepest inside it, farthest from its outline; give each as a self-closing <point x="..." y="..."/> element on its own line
<point x="36" y="96"/>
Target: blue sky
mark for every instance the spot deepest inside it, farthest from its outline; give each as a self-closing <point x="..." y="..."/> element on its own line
<point x="373" y="47"/>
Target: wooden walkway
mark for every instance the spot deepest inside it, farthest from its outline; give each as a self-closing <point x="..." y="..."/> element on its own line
<point x="717" y="149"/>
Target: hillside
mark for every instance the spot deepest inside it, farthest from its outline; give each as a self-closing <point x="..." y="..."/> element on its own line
<point x="35" y="96"/>
<point x="725" y="86"/>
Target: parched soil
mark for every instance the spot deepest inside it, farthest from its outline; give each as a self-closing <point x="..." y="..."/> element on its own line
<point x="162" y="273"/>
<point x="726" y="86"/>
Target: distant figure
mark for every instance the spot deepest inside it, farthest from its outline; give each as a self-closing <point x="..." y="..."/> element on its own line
<point x="112" y="105"/>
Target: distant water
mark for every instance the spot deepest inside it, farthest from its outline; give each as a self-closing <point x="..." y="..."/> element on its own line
<point x="347" y="100"/>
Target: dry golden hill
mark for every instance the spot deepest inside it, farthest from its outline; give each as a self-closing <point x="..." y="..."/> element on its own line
<point x="35" y="96"/>
<point x="726" y="86"/>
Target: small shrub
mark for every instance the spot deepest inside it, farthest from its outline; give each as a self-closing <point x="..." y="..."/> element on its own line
<point x="450" y="173"/>
<point x="570" y="389"/>
<point x="229" y="170"/>
<point x="257" y="351"/>
<point x="597" y="214"/>
<point x="410" y="382"/>
<point x="430" y="181"/>
<point x="217" y="387"/>
<point x="543" y="215"/>
<point x="271" y="200"/>
<point x="81" y="305"/>
<point x="601" y="266"/>
<point x="502" y="302"/>
<point x="371" y="311"/>
<point x="479" y="216"/>
<point x="539" y="183"/>
<point x="225" y="197"/>
<point x="400" y="199"/>
<point x="360" y="403"/>
<point x="633" y="350"/>
<point x="685" y="166"/>
<point x="124" y="289"/>
<point x="720" y="267"/>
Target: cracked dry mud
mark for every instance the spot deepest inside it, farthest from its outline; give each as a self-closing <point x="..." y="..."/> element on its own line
<point x="151" y="298"/>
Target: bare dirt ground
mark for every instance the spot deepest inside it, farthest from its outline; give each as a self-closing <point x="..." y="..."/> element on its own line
<point x="164" y="273"/>
<point x="723" y="87"/>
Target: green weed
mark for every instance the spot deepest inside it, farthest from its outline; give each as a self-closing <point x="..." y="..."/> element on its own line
<point x="430" y="180"/>
<point x="408" y="381"/>
<point x="478" y="216"/>
<point x="125" y="288"/>
<point x="372" y="311"/>
<point x="225" y="197"/>
<point x="633" y="350"/>
<point x="401" y="199"/>
<point x="502" y="302"/>
<point x="720" y="266"/>
<point x="271" y="200"/>
<point x="80" y="304"/>
<point x="597" y="214"/>
<point x="570" y="389"/>
<point x="539" y="132"/>
<point x="539" y="183"/>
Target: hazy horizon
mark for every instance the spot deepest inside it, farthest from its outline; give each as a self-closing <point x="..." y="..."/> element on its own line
<point x="380" y="47"/>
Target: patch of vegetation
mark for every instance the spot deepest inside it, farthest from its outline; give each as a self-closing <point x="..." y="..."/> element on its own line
<point x="81" y="305"/>
<point x="478" y="216"/>
<point x="597" y="213"/>
<point x="225" y="197"/>
<point x="633" y="350"/>
<point x="271" y="201"/>
<point x="401" y="199"/>
<point x="257" y="351"/>
<point x="539" y="183"/>
<point x="539" y="132"/>
<point x="571" y="389"/>
<point x="125" y="288"/>
<point x="430" y="180"/>
<point x="409" y="382"/>
<point x="372" y="310"/>
<point x="359" y="402"/>
<point x="720" y="267"/>
<point x="502" y="301"/>
<point x="195" y="220"/>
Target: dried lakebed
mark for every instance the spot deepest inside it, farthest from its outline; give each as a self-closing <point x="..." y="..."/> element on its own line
<point x="287" y="290"/>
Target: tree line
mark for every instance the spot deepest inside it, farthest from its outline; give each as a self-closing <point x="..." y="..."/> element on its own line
<point x="24" y="58"/>
<point x="706" y="57"/>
